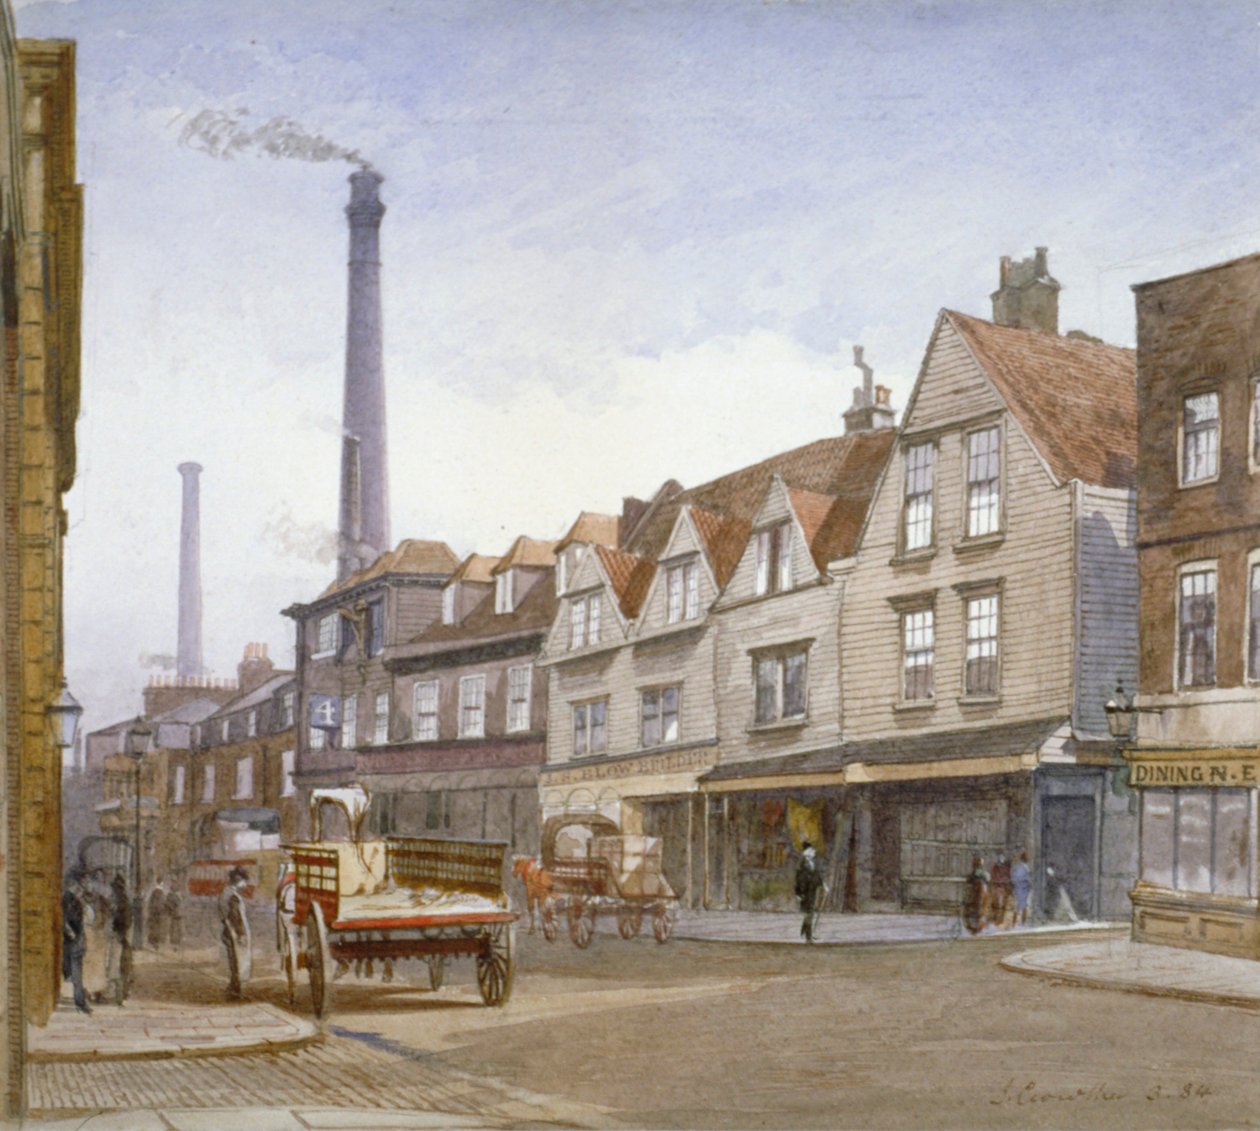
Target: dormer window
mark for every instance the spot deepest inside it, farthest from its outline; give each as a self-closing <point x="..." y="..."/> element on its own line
<point x="375" y="628"/>
<point x="503" y="597"/>
<point x="774" y="559"/>
<point x="448" y="603"/>
<point x="682" y="592"/>
<point x="562" y="572"/>
<point x="584" y="618"/>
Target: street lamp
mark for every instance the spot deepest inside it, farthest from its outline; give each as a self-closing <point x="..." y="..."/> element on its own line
<point x="63" y="714"/>
<point x="136" y="746"/>
<point x="1120" y="714"/>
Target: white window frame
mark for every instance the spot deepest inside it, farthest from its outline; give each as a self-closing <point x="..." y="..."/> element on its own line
<point x="325" y="647"/>
<point x="288" y="767"/>
<point x="425" y="724"/>
<point x="584" y="728"/>
<point x="520" y="682"/>
<point x="577" y="623"/>
<point x="1205" y="567"/>
<point x="1211" y="444"/>
<point x="448" y="603"/>
<point x="177" y="783"/>
<point x="316" y="739"/>
<point x="773" y="546"/>
<point x="243" y="787"/>
<point x="472" y="706"/>
<point x="350" y="722"/>
<point x="208" y="783"/>
<point x="918" y="511"/>
<point x="562" y="571"/>
<point x="594" y="614"/>
<point x="287" y="703"/>
<point x="918" y="639"/>
<point x="990" y="507"/>
<point x="251" y="724"/>
<point x="977" y="641"/>
<point x="682" y="592"/>
<point x="380" y="719"/>
<point x="504" y="590"/>
<point x="658" y="695"/>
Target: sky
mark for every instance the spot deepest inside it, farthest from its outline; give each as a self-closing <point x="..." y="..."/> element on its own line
<point x="626" y="240"/>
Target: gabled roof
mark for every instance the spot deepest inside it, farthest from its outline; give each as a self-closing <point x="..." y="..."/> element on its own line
<point x="411" y="556"/>
<point x="724" y="541"/>
<point x="591" y="528"/>
<point x="843" y="467"/>
<point x="1075" y="399"/>
<point x="527" y="552"/>
<point x="477" y="568"/>
<point x="630" y="576"/>
<point x="534" y="612"/>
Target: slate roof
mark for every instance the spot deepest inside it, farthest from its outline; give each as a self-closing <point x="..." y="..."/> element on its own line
<point x="534" y="613"/>
<point x="630" y="575"/>
<point x="260" y="694"/>
<point x="982" y="742"/>
<point x="1076" y="399"/>
<point x="411" y="556"/>
<point x="842" y="467"/>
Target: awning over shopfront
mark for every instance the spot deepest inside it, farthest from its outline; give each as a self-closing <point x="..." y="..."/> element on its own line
<point x="250" y="817"/>
<point x="983" y="751"/>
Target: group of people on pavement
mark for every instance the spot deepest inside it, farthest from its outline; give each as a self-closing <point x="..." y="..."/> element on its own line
<point x="97" y="928"/>
<point x="96" y="924"/>
<point x="998" y="895"/>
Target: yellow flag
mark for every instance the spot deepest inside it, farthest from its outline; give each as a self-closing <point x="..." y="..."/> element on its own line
<point x="805" y="823"/>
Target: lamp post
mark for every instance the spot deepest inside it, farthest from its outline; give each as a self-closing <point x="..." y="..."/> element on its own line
<point x="136" y="746"/>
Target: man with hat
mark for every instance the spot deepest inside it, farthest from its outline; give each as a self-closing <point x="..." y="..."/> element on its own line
<point x="809" y="883"/>
<point x="235" y="930"/>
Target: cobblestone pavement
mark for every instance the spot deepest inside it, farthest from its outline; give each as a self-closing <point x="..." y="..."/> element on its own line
<point x="335" y="1073"/>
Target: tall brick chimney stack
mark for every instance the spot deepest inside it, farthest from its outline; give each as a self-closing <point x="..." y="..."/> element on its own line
<point x="188" y="660"/>
<point x="1027" y="296"/>
<point x="363" y="409"/>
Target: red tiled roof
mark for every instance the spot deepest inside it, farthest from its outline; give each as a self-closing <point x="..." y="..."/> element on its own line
<point x="411" y="556"/>
<point x="840" y="466"/>
<point x="724" y="539"/>
<point x="630" y="575"/>
<point x="1076" y="399"/>
<point x="811" y="510"/>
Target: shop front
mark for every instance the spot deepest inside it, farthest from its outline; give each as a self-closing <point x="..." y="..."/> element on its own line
<point x="1196" y="883"/>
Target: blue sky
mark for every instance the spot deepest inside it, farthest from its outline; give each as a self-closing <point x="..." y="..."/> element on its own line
<point x="624" y="242"/>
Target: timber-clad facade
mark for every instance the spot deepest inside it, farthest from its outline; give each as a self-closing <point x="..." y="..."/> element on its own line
<point x="1198" y="711"/>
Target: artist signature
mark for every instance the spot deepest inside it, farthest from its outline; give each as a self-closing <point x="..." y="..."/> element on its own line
<point x="1029" y="1093"/>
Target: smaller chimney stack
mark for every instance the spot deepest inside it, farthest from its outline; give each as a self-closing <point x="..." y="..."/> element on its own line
<point x="1027" y="296"/>
<point x="255" y="669"/>
<point x="871" y="409"/>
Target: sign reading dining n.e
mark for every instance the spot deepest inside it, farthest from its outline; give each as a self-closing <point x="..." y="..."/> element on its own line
<point x="1205" y="772"/>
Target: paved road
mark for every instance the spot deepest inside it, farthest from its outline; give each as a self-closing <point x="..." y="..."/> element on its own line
<point x="715" y="1035"/>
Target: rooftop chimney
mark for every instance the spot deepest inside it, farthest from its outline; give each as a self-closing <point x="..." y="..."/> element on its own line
<point x="871" y="409"/>
<point x="1027" y="297"/>
<point x="188" y="651"/>
<point x="363" y="408"/>
<point x="254" y="669"/>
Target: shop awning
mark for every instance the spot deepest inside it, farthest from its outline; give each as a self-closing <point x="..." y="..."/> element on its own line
<point x="260" y="820"/>
<point x="981" y="751"/>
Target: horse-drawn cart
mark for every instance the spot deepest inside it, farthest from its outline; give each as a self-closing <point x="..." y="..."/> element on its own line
<point x="366" y="901"/>
<point x="590" y="868"/>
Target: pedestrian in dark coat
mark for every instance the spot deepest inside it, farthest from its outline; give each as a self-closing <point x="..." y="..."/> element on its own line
<point x="175" y="917"/>
<point x="808" y="888"/>
<point x="155" y="915"/>
<point x="74" y="915"/>
<point x="120" y="921"/>
<point x="235" y="931"/>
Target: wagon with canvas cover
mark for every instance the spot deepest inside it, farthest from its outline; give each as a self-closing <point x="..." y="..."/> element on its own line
<point x="589" y="867"/>
<point x="361" y="902"/>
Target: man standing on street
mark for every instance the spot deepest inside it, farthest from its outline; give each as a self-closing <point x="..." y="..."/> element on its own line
<point x="235" y="931"/>
<point x="74" y="915"/>
<point x="809" y="885"/>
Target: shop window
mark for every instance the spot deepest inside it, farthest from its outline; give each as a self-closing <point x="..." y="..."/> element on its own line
<point x="1197" y="840"/>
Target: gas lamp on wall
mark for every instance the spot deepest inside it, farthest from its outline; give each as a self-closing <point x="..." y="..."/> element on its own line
<point x="64" y="713"/>
<point x="1120" y="715"/>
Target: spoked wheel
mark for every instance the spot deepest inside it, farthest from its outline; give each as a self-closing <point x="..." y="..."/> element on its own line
<point x="629" y="921"/>
<point x="318" y="960"/>
<point x="662" y="924"/>
<point x="288" y="959"/>
<point x="494" y="964"/>
<point x="581" y="924"/>
<point x="550" y="927"/>
<point x="437" y="971"/>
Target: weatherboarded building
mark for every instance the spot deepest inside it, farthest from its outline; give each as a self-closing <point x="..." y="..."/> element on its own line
<point x="989" y="614"/>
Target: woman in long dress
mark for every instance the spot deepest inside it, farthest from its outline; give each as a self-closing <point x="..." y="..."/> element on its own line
<point x="96" y="918"/>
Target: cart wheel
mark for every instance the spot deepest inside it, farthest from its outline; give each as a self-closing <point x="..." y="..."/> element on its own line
<point x="318" y="960"/>
<point x="494" y="964"/>
<point x="550" y="927"/>
<point x="662" y="924"/>
<point x="437" y="971"/>
<point x="288" y="959"/>
<point x="581" y="924"/>
<point x="629" y="921"/>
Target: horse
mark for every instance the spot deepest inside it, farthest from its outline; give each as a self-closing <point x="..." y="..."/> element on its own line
<point x="537" y="884"/>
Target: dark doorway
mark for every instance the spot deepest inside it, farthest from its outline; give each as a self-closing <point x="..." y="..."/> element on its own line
<point x="1067" y="847"/>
